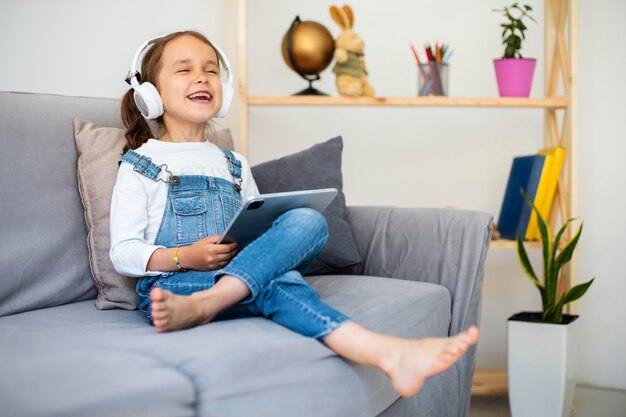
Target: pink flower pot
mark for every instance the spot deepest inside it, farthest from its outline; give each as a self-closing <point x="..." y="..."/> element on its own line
<point x="515" y="76"/>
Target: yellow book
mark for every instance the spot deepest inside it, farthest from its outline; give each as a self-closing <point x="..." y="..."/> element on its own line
<point x="555" y="158"/>
<point x="540" y="197"/>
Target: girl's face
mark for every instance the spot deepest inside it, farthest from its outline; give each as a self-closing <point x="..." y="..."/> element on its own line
<point x="189" y="81"/>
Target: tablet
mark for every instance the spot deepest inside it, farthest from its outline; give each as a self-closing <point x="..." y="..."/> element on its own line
<point x="257" y="214"/>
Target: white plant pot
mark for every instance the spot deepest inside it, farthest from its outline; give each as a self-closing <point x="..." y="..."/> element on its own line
<point x="541" y="366"/>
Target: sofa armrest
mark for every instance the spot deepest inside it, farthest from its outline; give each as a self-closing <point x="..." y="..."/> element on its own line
<point x="441" y="246"/>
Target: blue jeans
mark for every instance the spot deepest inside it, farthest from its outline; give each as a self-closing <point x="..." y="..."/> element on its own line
<point x="271" y="266"/>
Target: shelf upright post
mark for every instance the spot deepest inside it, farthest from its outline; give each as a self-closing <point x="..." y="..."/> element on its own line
<point x="572" y="109"/>
<point x="242" y="42"/>
<point x="561" y="57"/>
<point x="548" y="41"/>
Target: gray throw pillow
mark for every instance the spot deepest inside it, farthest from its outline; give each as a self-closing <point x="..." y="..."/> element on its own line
<point x="316" y="167"/>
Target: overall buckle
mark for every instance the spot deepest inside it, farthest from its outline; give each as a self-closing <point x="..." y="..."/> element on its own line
<point x="143" y="171"/>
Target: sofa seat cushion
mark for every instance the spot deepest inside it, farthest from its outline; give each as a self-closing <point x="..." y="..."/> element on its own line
<point x="66" y="361"/>
<point x="76" y="360"/>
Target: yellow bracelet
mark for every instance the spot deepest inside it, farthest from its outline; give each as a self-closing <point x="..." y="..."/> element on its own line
<point x="177" y="262"/>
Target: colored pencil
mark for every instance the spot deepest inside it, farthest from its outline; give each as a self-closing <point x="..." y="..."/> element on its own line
<point x="419" y="63"/>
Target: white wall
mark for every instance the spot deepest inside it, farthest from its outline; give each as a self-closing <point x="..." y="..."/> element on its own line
<point x="602" y="191"/>
<point x="392" y="156"/>
<point x="84" y="48"/>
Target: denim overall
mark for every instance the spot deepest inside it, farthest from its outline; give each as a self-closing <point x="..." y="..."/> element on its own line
<point x="272" y="266"/>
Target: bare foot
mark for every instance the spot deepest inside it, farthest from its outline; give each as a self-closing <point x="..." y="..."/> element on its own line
<point x="413" y="361"/>
<point x="175" y="312"/>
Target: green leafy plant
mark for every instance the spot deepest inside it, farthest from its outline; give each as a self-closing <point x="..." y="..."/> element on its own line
<point x="553" y="261"/>
<point x="514" y="28"/>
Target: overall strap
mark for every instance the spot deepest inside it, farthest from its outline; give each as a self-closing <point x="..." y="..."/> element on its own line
<point x="234" y="167"/>
<point x="142" y="164"/>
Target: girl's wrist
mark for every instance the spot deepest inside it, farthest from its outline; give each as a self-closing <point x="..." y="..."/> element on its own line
<point x="176" y="260"/>
<point x="184" y="258"/>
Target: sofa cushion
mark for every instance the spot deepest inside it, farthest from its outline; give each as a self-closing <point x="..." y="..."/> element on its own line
<point x="99" y="148"/>
<point x="316" y="167"/>
<point x="43" y="250"/>
<point x="54" y="364"/>
<point x="243" y="367"/>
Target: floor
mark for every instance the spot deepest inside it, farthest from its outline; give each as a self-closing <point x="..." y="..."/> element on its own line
<point x="589" y="402"/>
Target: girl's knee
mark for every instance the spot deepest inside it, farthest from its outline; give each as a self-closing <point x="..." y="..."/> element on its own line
<point x="291" y="277"/>
<point x="310" y="220"/>
<point x="291" y="283"/>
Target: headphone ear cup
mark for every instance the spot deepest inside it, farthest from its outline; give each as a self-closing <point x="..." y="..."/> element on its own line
<point x="227" y="98"/>
<point x="148" y="101"/>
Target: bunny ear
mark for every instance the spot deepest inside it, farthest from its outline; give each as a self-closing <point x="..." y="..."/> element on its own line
<point x="348" y="11"/>
<point x="337" y="16"/>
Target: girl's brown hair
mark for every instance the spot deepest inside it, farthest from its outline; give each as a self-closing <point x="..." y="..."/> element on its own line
<point x="137" y="128"/>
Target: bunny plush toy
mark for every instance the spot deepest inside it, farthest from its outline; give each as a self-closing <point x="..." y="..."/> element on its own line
<point x="350" y="66"/>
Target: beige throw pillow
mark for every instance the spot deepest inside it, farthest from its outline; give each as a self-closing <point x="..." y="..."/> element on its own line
<point x="99" y="148"/>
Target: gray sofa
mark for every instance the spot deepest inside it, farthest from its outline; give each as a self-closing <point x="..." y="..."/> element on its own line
<point x="421" y="276"/>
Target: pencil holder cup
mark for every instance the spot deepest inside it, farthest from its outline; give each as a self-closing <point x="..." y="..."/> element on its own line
<point x="432" y="79"/>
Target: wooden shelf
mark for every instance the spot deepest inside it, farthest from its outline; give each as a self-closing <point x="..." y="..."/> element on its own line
<point x="512" y="244"/>
<point x="490" y="383"/>
<point x="431" y="101"/>
<point x="560" y="74"/>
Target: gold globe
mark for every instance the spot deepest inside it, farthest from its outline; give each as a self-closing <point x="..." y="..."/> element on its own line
<point x="312" y="48"/>
<point x="308" y="49"/>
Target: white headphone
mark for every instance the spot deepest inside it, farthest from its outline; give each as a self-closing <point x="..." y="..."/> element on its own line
<point x="147" y="97"/>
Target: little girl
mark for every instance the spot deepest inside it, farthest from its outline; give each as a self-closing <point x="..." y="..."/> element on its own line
<point x="174" y="196"/>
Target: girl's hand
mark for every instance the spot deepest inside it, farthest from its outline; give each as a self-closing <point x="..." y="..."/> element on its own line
<point x="206" y="254"/>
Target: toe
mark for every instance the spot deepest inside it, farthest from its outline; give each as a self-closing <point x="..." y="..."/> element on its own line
<point x="160" y="294"/>
<point x="157" y="309"/>
<point x="157" y="294"/>
<point x="160" y="325"/>
<point x="454" y="350"/>
<point x="159" y="314"/>
<point x="473" y="333"/>
<point x="157" y="325"/>
<point x="466" y="338"/>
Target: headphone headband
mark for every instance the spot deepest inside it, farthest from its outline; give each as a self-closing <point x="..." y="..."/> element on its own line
<point x="133" y="65"/>
<point x="222" y="57"/>
<point x="147" y="97"/>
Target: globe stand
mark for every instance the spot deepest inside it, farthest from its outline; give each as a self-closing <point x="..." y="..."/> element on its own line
<point x="310" y="90"/>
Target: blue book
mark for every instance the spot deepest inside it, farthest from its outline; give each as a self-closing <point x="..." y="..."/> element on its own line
<point x="515" y="212"/>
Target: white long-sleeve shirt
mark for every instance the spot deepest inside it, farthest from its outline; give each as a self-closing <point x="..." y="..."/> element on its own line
<point x="138" y="203"/>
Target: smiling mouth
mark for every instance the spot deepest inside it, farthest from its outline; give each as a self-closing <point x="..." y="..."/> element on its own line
<point x="201" y="97"/>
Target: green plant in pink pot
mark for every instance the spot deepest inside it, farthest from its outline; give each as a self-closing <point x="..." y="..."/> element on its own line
<point x="514" y="73"/>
